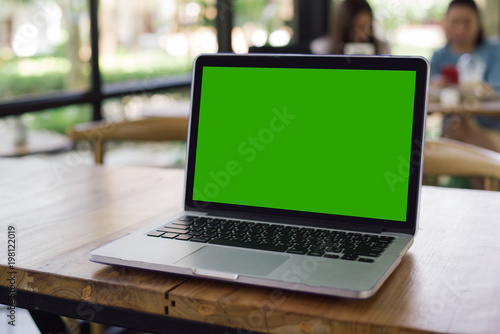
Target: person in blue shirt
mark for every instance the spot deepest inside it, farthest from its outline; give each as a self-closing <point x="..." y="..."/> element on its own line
<point x="465" y="34"/>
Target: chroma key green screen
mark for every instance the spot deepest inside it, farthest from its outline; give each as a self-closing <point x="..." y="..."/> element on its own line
<point x="329" y="141"/>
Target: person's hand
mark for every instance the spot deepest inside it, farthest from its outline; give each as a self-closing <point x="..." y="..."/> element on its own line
<point x="484" y="89"/>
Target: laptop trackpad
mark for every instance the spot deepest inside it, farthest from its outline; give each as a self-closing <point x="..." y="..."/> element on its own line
<point x="236" y="260"/>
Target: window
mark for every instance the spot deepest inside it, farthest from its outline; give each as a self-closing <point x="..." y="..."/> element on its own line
<point x="87" y="54"/>
<point x="44" y="47"/>
<point x="141" y="39"/>
<point x="262" y="23"/>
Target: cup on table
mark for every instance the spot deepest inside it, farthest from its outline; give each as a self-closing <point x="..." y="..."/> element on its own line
<point x="449" y="97"/>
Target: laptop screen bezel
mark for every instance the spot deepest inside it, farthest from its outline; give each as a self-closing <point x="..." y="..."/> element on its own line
<point x="418" y="64"/>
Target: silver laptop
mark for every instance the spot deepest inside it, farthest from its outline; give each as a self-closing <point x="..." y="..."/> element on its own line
<point x="302" y="173"/>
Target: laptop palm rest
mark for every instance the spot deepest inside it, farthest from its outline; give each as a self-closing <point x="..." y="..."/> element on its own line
<point x="228" y="264"/>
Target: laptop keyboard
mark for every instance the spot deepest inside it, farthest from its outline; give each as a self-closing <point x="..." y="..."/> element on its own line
<point x="277" y="238"/>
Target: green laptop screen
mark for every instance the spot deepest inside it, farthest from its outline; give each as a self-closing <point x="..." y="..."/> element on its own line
<point x="328" y="141"/>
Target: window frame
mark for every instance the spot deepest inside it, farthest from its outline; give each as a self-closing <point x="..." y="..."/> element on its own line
<point x="99" y="92"/>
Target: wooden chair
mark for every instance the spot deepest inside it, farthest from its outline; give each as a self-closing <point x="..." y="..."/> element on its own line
<point x="147" y="129"/>
<point x="451" y="157"/>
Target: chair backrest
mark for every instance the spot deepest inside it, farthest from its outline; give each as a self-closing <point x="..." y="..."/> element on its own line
<point x="147" y="129"/>
<point x="451" y="157"/>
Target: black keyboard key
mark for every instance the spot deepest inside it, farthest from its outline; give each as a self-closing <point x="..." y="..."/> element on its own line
<point x="197" y="225"/>
<point x="169" y="235"/>
<point x="199" y="239"/>
<point x="248" y="244"/>
<point x="349" y="257"/>
<point x="315" y="253"/>
<point x="334" y="249"/>
<point x="332" y="256"/>
<point x="297" y="250"/>
<point x="354" y="236"/>
<point x="363" y="259"/>
<point x="155" y="233"/>
<point x="238" y="238"/>
<point x="370" y="249"/>
<point x="371" y="254"/>
<point x="317" y="247"/>
<point x="362" y="252"/>
<point x="257" y="239"/>
<point x="239" y="232"/>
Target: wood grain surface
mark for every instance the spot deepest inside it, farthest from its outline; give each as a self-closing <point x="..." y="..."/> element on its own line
<point x="447" y="283"/>
<point x="469" y="108"/>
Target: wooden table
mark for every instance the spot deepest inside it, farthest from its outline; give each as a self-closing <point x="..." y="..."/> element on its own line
<point x="471" y="107"/>
<point x="447" y="283"/>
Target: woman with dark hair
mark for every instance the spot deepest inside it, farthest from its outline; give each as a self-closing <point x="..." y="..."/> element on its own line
<point x="352" y="30"/>
<point x="464" y="33"/>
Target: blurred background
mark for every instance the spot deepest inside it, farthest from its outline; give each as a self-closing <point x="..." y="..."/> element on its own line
<point x="66" y="62"/>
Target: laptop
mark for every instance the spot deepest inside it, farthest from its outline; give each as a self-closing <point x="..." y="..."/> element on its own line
<point x="303" y="173"/>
